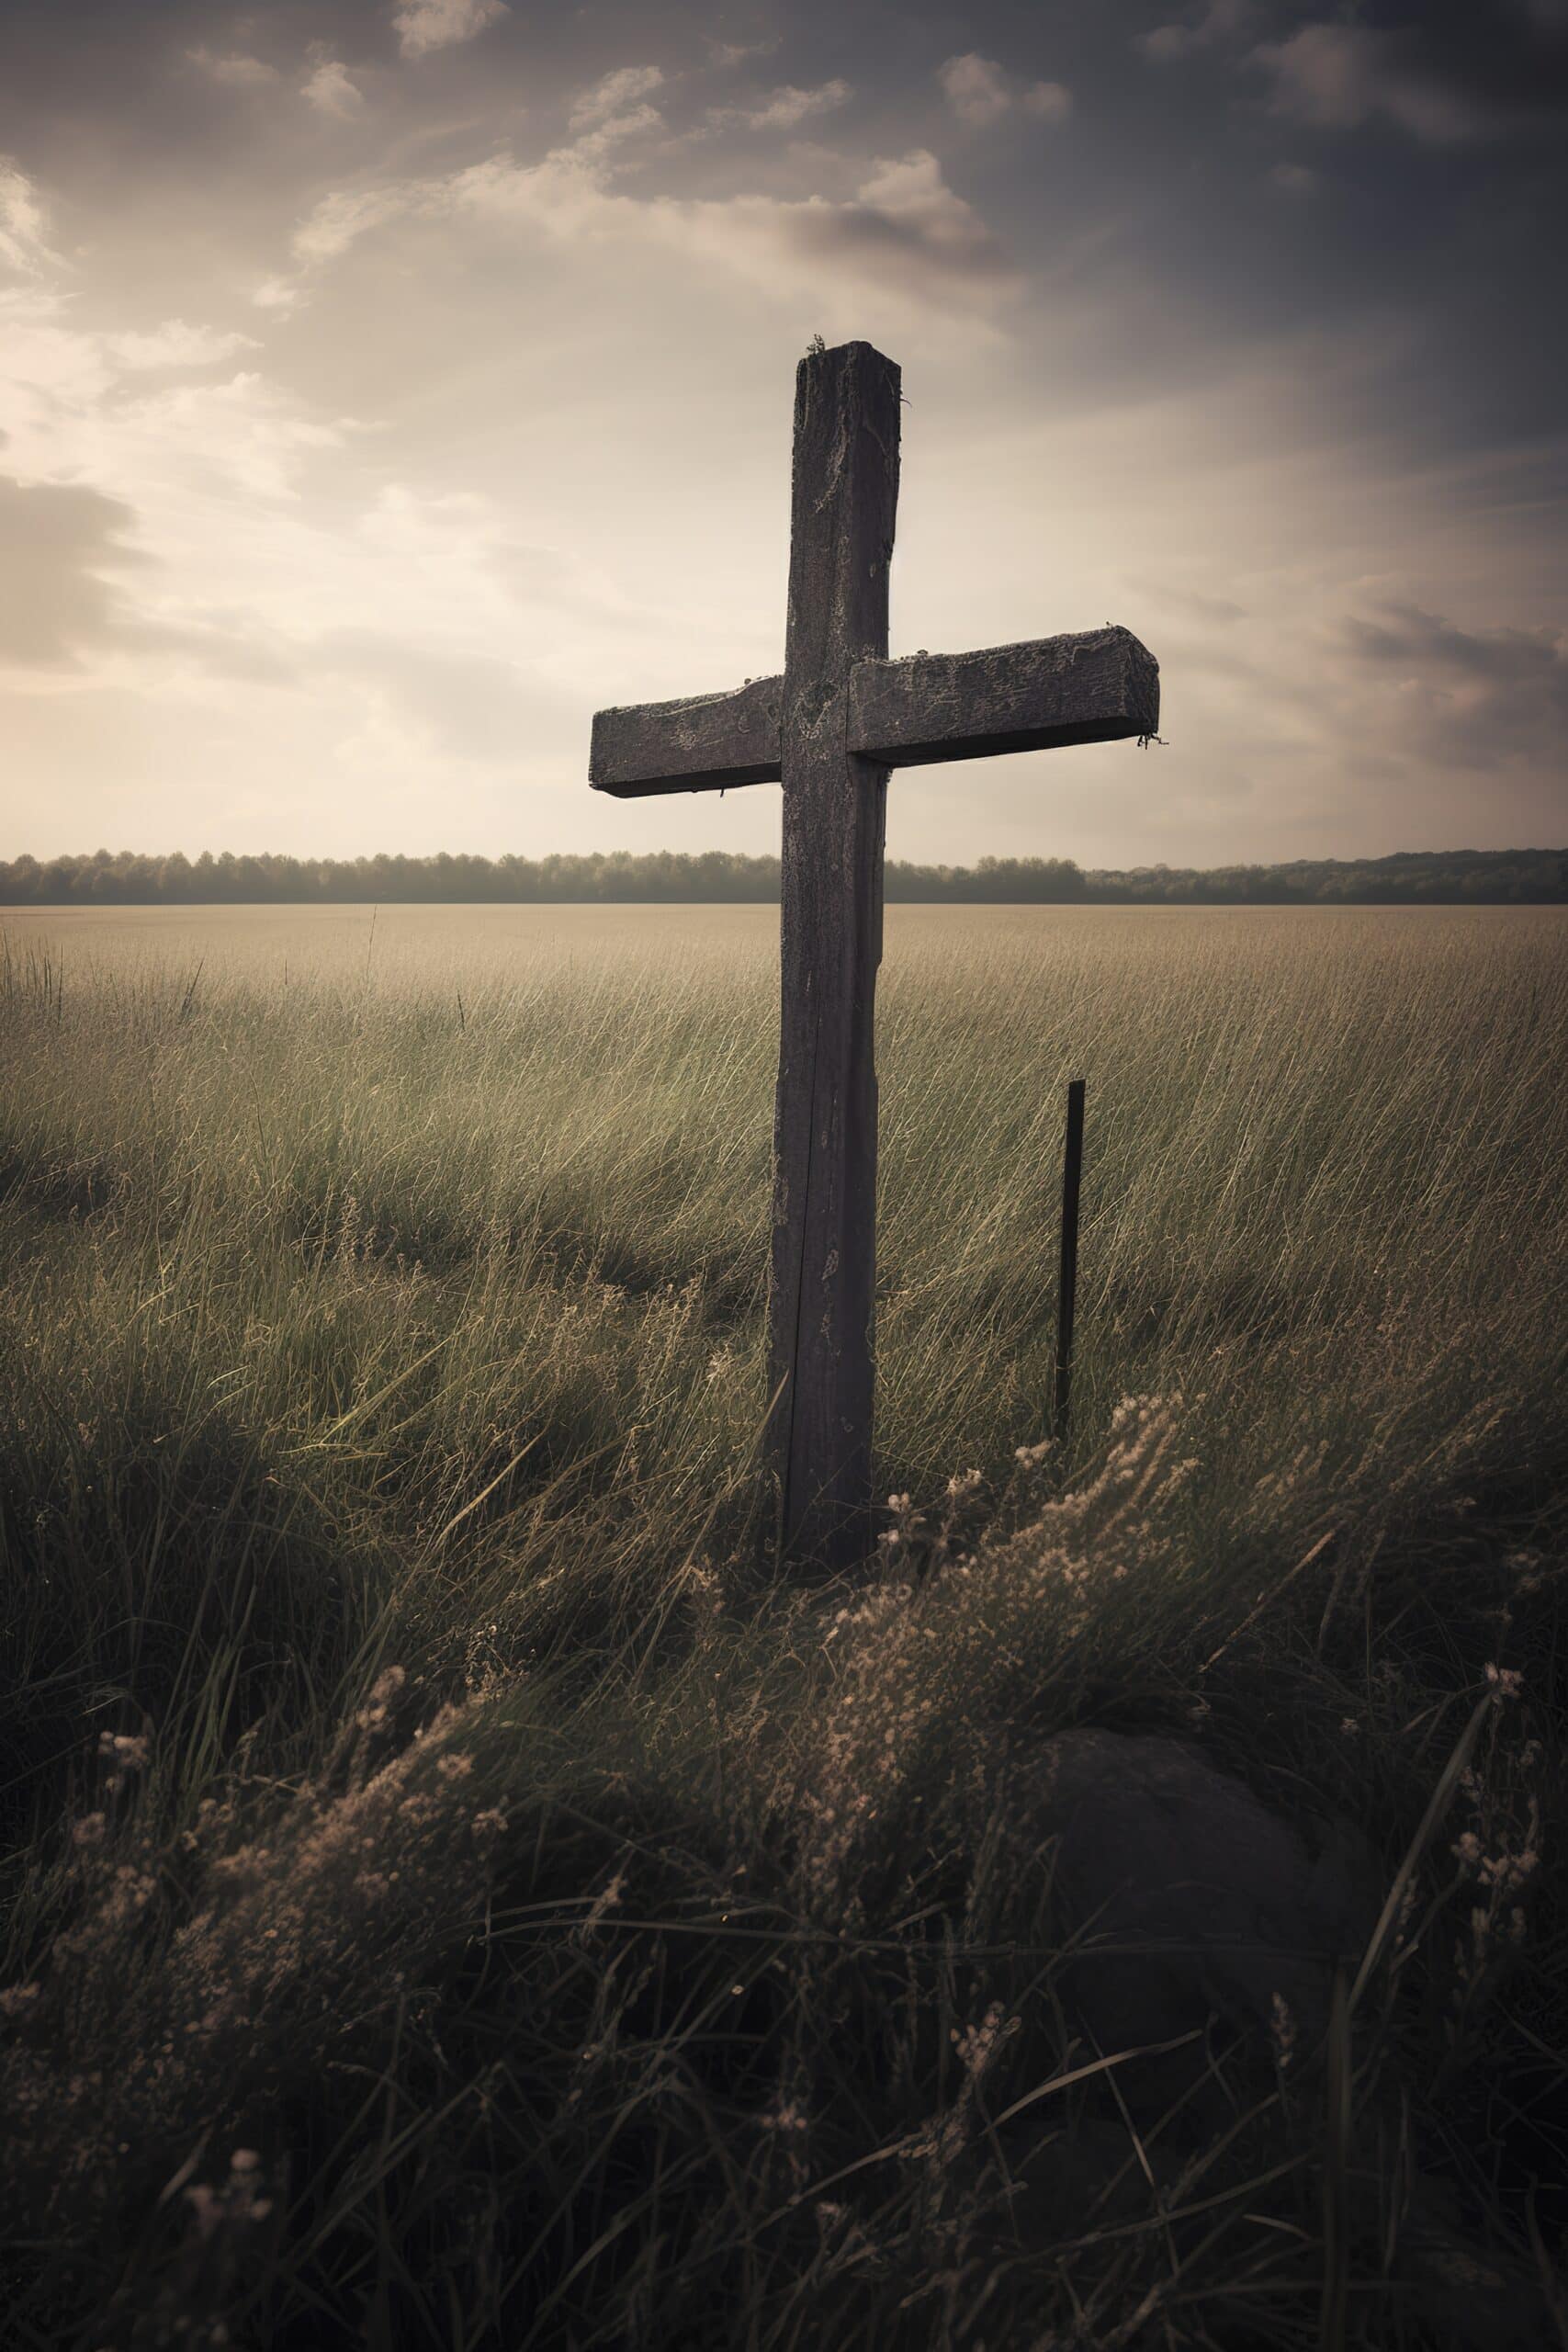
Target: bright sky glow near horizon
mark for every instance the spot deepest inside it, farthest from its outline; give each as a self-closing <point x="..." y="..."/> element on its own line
<point x="386" y="384"/>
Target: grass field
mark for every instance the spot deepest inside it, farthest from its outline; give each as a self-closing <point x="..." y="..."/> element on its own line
<point x="381" y="1355"/>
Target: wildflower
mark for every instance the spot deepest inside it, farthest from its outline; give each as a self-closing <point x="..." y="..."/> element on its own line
<point x="1505" y="1681"/>
<point x="89" y="1830"/>
<point x="491" y="1822"/>
<point x="126" y="1751"/>
<point x="1506" y="1871"/>
<point x="207" y="2208"/>
<point x="17" y="2000"/>
<point x="455" y="1767"/>
<point x="787" y="2116"/>
<point x="383" y="1690"/>
<point x="602" y="1903"/>
<point x="1282" y="2027"/>
<point x="977" y="2045"/>
<point x="1528" y="1567"/>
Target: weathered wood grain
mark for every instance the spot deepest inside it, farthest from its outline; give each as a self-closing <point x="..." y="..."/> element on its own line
<point x="702" y="743"/>
<point x="1098" y="685"/>
<point x="824" y="1242"/>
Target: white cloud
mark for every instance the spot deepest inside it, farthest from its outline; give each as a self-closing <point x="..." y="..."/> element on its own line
<point x="1165" y="42"/>
<point x="614" y="95"/>
<point x="912" y="192"/>
<point x="24" y="246"/>
<point x="277" y="294"/>
<point x="329" y="91"/>
<point x="1052" y="101"/>
<point x="782" y="109"/>
<point x="734" y="53"/>
<point x="340" y="220"/>
<point x="174" y="344"/>
<point x="239" y="72"/>
<point x="424" y="25"/>
<point x="1220" y="19"/>
<point x="597" y="146"/>
<point x="905" y="235"/>
<point x="980" y="92"/>
<point x="976" y="88"/>
<point x="196" y="467"/>
<point x="342" y="217"/>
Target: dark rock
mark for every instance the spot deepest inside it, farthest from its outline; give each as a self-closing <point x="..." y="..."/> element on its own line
<point x="1191" y="1906"/>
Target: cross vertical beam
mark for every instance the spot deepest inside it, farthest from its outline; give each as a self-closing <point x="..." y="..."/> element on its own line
<point x="824" y="1233"/>
<point x="829" y="729"/>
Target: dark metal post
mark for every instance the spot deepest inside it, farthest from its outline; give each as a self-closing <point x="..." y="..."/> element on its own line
<point x="1066" y="1291"/>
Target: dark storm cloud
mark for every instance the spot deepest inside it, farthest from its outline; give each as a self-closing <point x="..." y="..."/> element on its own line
<point x="55" y="542"/>
<point x="1444" y="77"/>
<point x="58" y="609"/>
<point x="1474" y="698"/>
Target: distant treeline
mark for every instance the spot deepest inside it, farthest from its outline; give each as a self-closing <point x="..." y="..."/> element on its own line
<point x="123" y="878"/>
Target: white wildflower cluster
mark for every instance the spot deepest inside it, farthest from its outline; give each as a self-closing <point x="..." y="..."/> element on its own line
<point x="961" y="1617"/>
<point x="1499" y="1856"/>
<point x="372" y="1717"/>
<point x="1532" y="1571"/>
<point x="124" y="1753"/>
<point x="786" y="2130"/>
<point x="603" y="1903"/>
<point x="1281" y="2030"/>
<point x="703" y="1590"/>
<point x="237" y="2203"/>
<point x="348" y="1877"/>
<point x="975" y="2046"/>
<point x="1270" y="1500"/>
<point x="483" y="1666"/>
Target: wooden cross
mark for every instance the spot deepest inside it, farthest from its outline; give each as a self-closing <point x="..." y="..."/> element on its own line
<point x="831" y="727"/>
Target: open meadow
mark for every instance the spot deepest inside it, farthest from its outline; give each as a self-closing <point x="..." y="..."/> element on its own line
<point x="413" y="1776"/>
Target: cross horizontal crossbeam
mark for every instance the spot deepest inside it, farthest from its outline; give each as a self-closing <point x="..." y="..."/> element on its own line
<point x="1097" y="686"/>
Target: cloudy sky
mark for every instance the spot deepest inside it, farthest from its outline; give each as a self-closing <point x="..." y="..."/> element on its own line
<point x="384" y="384"/>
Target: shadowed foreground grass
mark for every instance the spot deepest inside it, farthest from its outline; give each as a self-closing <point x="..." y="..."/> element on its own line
<point x="458" y="1896"/>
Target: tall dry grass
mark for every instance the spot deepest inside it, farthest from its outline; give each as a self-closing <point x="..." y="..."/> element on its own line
<point x="382" y="1304"/>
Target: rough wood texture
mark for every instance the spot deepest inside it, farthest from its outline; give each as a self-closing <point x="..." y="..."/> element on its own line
<point x="824" y="1247"/>
<point x="1096" y="686"/>
<point x="702" y="743"/>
